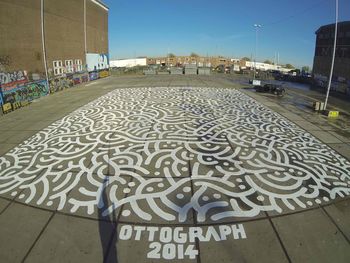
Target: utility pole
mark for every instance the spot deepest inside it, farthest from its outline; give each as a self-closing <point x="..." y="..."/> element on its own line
<point x="257" y="26"/>
<point x="334" y="51"/>
<point x="42" y="16"/>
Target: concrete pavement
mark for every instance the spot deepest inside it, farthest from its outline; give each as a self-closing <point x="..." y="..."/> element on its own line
<point x="171" y="168"/>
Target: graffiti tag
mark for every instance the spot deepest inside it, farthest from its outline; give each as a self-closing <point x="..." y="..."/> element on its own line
<point x="10" y="79"/>
<point x="26" y="92"/>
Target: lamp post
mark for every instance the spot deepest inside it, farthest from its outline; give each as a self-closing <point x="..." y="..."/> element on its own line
<point x="257" y="26"/>
<point x="334" y="51"/>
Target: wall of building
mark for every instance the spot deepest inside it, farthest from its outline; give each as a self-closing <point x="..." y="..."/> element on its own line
<point x="22" y="67"/>
<point x="64" y="31"/>
<point x="97" y="28"/>
<point x="21" y="39"/>
<point x="20" y="36"/>
<point x="324" y="52"/>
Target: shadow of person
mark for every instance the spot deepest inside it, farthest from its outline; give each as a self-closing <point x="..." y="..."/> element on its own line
<point x="108" y="227"/>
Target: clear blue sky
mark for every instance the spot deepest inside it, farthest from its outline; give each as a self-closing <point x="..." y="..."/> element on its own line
<point x="222" y="27"/>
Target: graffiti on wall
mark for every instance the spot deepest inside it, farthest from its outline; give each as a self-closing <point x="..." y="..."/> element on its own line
<point x="103" y="74"/>
<point x="61" y="83"/>
<point x="338" y="84"/>
<point x="80" y="78"/>
<point x="97" y="61"/>
<point x="12" y="78"/>
<point x="1" y="101"/>
<point x="93" y="76"/>
<point x="25" y="92"/>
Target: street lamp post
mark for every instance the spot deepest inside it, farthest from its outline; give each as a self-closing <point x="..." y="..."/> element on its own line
<point x="257" y="26"/>
<point x="333" y="56"/>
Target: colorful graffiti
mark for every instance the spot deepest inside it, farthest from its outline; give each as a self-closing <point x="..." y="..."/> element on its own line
<point x="103" y="74"/>
<point x="97" y="62"/>
<point x="93" y="76"/>
<point x="1" y="101"/>
<point x="80" y="78"/>
<point x="8" y="79"/>
<point x="16" y="90"/>
<point x="6" y="108"/>
<point x="61" y="83"/>
<point x="25" y="92"/>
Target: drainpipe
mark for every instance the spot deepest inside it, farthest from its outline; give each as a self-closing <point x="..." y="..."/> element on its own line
<point x="85" y="41"/>
<point x="43" y="41"/>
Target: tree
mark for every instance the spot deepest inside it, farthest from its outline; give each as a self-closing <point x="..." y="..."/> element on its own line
<point x="246" y="59"/>
<point x="268" y="61"/>
<point x="171" y="55"/>
<point x="194" y="55"/>
<point x="305" y="69"/>
<point x="289" y="66"/>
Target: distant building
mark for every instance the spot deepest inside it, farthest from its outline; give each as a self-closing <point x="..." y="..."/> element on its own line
<point x="200" y="61"/>
<point x="264" y="66"/>
<point x="128" y="63"/>
<point x="324" y="51"/>
<point x="214" y="62"/>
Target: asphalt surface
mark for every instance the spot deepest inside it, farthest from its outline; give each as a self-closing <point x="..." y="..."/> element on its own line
<point x="174" y="169"/>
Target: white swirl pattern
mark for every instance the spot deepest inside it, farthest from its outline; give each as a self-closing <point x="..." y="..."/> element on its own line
<point x="165" y="152"/>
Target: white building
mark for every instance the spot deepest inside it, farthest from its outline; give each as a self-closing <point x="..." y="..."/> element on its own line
<point x="128" y="63"/>
<point x="264" y="66"/>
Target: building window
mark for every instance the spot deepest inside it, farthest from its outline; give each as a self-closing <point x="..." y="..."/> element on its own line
<point x="58" y="67"/>
<point x="69" y="66"/>
<point x="347" y="34"/>
<point x="78" y="65"/>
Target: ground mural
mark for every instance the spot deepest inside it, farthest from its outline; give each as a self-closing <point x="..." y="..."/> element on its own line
<point x="165" y="152"/>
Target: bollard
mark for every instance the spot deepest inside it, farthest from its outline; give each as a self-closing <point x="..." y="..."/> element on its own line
<point x="333" y="114"/>
<point x="317" y="106"/>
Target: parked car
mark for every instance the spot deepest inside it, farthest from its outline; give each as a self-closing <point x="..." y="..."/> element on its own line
<point x="278" y="90"/>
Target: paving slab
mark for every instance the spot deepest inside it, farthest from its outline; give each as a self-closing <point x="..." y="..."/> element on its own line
<point x="18" y="137"/>
<point x="325" y="137"/>
<point x="32" y="125"/>
<point x="5" y="147"/>
<point x="258" y="244"/>
<point x="340" y="213"/>
<point x="3" y="204"/>
<point x="306" y="125"/>
<point x="5" y="135"/>
<point x="342" y="148"/>
<point x="72" y="239"/>
<point x="344" y="136"/>
<point x="276" y="108"/>
<point x="292" y="116"/>
<point x="20" y="226"/>
<point x="312" y="237"/>
<point x="6" y="124"/>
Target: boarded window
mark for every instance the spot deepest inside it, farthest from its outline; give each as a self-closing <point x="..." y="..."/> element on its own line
<point x="58" y="68"/>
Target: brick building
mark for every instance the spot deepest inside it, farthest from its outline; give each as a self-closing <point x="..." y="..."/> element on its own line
<point x="72" y="28"/>
<point x="57" y="41"/>
<point x="185" y="60"/>
<point x="324" y="51"/>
